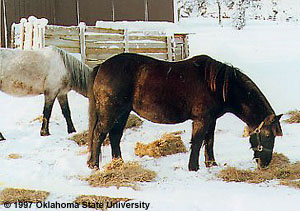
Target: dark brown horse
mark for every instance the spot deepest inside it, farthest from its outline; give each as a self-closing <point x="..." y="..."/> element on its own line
<point x="201" y="89"/>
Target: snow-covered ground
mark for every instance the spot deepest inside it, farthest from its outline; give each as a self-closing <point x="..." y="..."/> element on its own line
<point x="266" y="51"/>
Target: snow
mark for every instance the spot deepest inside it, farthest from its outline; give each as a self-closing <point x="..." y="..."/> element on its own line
<point x="266" y="51"/>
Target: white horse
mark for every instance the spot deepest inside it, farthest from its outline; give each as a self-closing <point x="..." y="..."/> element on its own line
<point x="50" y="71"/>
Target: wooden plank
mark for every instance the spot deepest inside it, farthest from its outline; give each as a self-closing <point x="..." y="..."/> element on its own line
<point x="59" y="30"/>
<point x="91" y="44"/>
<point x="148" y="50"/>
<point x="95" y="57"/>
<point x="161" y="56"/>
<point x="60" y="43"/>
<point x="93" y="64"/>
<point x="103" y="51"/>
<point x="148" y="45"/>
<point x="70" y="49"/>
<point x="104" y="37"/>
<point x="62" y="37"/>
<point x="94" y="29"/>
<point x="155" y="38"/>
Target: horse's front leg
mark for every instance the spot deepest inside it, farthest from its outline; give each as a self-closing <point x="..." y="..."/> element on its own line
<point x="1" y="137"/>
<point x="198" y="135"/>
<point x="64" y="105"/>
<point x="209" y="146"/>
<point x="49" y="101"/>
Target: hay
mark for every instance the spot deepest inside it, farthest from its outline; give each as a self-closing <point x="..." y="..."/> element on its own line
<point x="39" y="118"/>
<point x="168" y="144"/>
<point x="133" y="122"/>
<point x="82" y="138"/>
<point x="14" y="156"/>
<point x="294" y="117"/>
<point x="118" y="173"/>
<point x="98" y="202"/>
<point x="13" y="195"/>
<point x="280" y="168"/>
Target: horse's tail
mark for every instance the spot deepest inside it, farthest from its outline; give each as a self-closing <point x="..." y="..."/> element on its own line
<point x="93" y="114"/>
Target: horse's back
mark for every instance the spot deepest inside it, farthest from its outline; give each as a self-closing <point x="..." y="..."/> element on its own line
<point x="163" y="92"/>
<point x="29" y="72"/>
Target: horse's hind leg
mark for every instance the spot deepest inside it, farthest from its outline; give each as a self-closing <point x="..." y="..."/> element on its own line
<point x="198" y="135"/>
<point x="49" y="101"/>
<point x="115" y="135"/>
<point x="209" y="146"/>
<point x="1" y="137"/>
<point x="64" y="105"/>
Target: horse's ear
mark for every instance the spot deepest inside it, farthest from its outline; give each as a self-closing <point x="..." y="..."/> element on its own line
<point x="276" y="129"/>
<point x="277" y="118"/>
<point x="272" y="118"/>
<point x="246" y="132"/>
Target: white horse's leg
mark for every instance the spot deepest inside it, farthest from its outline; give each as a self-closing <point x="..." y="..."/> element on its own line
<point x="49" y="101"/>
<point x="1" y="137"/>
<point x="64" y="105"/>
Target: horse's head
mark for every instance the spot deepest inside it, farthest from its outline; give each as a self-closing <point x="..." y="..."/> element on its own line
<point x="262" y="139"/>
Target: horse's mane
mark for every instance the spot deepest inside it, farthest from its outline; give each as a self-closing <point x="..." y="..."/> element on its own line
<point x="79" y="71"/>
<point x="221" y="76"/>
<point x="217" y="75"/>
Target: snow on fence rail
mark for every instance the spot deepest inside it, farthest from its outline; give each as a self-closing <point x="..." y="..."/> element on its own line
<point x="96" y="44"/>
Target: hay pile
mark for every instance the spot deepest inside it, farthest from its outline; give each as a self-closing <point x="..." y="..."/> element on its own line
<point x="118" y="173"/>
<point x="294" y="117"/>
<point x="82" y="138"/>
<point x="14" y="156"/>
<point x="280" y="168"/>
<point x="13" y="195"/>
<point x="168" y="144"/>
<point x="98" y="202"/>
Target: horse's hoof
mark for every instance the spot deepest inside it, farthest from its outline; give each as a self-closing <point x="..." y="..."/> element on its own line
<point x="1" y="137"/>
<point x="193" y="168"/>
<point x="93" y="165"/>
<point x="72" y="130"/>
<point x="44" y="133"/>
<point x="209" y="164"/>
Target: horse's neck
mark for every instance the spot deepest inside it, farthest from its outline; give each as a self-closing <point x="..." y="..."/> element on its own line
<point x="248" y="103"/>
<point x="79" y="80"/>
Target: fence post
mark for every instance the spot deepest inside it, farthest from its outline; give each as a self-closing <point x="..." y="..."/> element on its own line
<point x="82" y="27"/>
<point x="12" y="36"/>
<point x="170" y="48"/>
<point x="126" y="41"/>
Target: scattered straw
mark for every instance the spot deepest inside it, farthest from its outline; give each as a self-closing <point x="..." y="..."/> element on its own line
<point x="98" y="202"/>
<point x="82" y="138"/>
<point x="280" y="168"/>
<point x="118" y="173"/>
<point x="13" y="195"/>
<point x="294" y="117"/>
<point x="14" y="156"/>
<point x="168" y="144"/>
<point x="38" y="118"/>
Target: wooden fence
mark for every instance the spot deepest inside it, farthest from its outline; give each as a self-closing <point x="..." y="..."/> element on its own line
<point x="96" y="44"/>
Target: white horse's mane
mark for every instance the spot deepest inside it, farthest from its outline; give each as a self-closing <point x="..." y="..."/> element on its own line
<point x="79" y="71"/>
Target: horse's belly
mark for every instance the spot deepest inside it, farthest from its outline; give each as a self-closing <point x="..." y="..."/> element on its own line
<point x="20" y="88"/>
<point x="160" y="114"/>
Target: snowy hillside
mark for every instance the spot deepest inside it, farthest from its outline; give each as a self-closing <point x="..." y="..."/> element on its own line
<point x="266" y="51"/>
<point x="277" y="10"/>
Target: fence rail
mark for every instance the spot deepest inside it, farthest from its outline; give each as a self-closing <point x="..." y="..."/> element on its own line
<point x="96" y="44"/>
